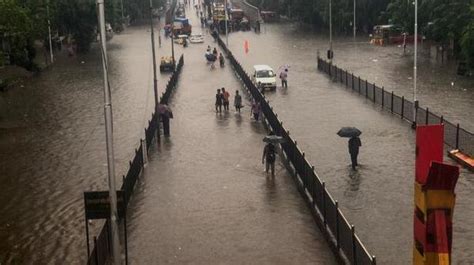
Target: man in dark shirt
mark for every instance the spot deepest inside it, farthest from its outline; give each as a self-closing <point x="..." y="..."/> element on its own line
<point x="354" y="144"/>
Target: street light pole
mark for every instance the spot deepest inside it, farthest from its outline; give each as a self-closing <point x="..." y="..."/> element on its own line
<point x="226" y="29"/>
<point x="155" y="80"/>
<point x="49" y="33"/>
<point x="415" y="101"/>
<point x="109" y="139"/>
<point x="330" y="32"/>
<point x="354" y="22"/>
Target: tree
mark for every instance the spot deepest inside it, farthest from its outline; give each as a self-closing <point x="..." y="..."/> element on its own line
<point x="16" y="29"/>
<point x="78" y="18"/>
<point x="467" y="40"/>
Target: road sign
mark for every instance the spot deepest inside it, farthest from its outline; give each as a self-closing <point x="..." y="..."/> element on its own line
<point x="97" y="204"/>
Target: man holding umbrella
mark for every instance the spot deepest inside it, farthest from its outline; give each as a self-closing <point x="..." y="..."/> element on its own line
<point x="354" y="142"/>
<point x="269" y="151"/>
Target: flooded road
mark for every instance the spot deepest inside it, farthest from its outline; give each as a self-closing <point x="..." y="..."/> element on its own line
<point x="52" y="143"/>
<point x="377" y="199"/>
<point x="52" y="148"/>
<point x="204" y="198"/>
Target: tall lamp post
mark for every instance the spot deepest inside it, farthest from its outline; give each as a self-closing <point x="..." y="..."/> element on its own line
<point x="155" y="80"/>
<point x="49" y="33"/>
<point x="415" y="101"/>
<point x="354" y="22"/>
<point x="109" y="140"/>
<point x="226" y="27"/>
<point x="330" y="53"/>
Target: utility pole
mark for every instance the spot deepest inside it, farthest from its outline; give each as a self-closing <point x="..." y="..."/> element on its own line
<point x="415" y="101"/>
<point x="226" y="27"/>
<point x="155" y="80"/>
<point x="121" y="3"/>
<point x="49" y="33"/>
<point x="109" y="139"/>
<point x="354" y="22"/>
<point x="330" y="33"/>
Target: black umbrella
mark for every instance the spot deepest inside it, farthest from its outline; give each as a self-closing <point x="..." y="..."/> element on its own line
<point x="274" y="139"/>
<point x="349" y="132"/>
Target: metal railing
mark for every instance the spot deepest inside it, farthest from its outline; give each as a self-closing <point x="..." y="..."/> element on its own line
<point x="454" y="136"/>
<point x="339" y="232"/>
<point x="102" y="249"/>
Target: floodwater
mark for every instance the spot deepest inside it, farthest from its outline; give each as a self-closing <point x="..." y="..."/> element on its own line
<point x="204" y="198"/>
<point x="52" y="144"/>
<point x="378" y="198"/>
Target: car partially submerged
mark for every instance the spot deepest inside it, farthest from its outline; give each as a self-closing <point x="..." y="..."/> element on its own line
<point x="167" y="64"/>
<point x="264" y="77"/>
<point x="196" y="38"/>
<point x="180" y="39"/>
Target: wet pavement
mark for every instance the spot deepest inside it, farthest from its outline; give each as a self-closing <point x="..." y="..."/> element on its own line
<point x="378" y="198"/>
<point x="204" y="197"/>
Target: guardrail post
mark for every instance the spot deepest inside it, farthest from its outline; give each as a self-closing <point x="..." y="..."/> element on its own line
<point x="347" y="84"/>
<point x="313" y="189"/>
<point x="359" y="84"/>
<point x="373" y="89"/>
<point x="352" y="81"/>
<point x="324" y="203"/>
<point x="144" y="151"/>
<point x="366" y="89"/>
<point x="354" y="253"/>
<point x="403" y="106"/>
<point x="427" y="116"/>
<point x="457" y="136"/>
<point x="304" y="172"/>
<point x="96" y="251"/>
<point x="295" y="164"/>
<point x="337" y="225"/>
<point x="383" y="97"/>
<point x="391" y="104"/>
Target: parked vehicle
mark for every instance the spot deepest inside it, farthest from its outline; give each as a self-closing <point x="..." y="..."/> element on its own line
<point x="264" y="77"/>
<point x="236" y="14"/>
<point x="196" y="38"/>
<point x="181" y="26"/>
<point x="167" y="64"/>
<point x="269" y="16"/>
<point x="180" y="39"/>
<point x="390" y="34"/>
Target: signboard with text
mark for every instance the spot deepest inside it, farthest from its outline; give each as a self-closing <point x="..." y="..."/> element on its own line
<point x="97" y="204"/>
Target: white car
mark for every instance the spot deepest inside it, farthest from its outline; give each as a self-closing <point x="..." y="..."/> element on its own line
<point x="264" y="77"/>
<point x="196" y="38"/>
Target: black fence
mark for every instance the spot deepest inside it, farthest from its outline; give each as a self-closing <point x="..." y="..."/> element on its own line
<point x="339" y="232"/>
<point x="102" y="244"/>
<point x="454" y="135"/>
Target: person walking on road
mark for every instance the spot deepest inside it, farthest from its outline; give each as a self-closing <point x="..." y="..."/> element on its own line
<point x="255" y="110"/>
<point x="219" y="101"/>
<point x="269" y="155"/>
<point x="284" y="78"/>
<point x="354" y="144"/>
<point x="237" y="101"/>
<point x="225" y="96"/>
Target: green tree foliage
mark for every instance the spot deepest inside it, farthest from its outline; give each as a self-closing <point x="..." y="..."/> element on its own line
<point x="467" y="40"/>
<point x="16" y="29"/>
<point x="140" y="9"/>
<point x="78" y="18"/>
